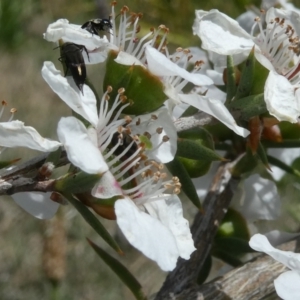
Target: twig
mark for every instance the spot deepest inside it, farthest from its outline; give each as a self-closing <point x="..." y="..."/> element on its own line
<point x="203" y="230"/>
<point x="22" y="179"/>
<point x="253" y="280"/>
<point x="199" y="119"/>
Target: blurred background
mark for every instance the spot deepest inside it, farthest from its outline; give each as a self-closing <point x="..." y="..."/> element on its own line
<point x="51" y="259"/>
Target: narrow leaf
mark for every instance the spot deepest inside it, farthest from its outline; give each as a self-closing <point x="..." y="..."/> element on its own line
<point x="227" y="257"/>
<point x="283" y="144"/>
<point x="187" y="186"/>
<point x="6" y="163"/>
<point x="278" y="163"/>
<point x="54" y="156"/>
<point x="233" y="245"/>
<point x="250" y="106"/>
<point x="230" y="79"/>
<point x="77" y="183"/>
<point x="122" y="272"/>
<point x="205" y="270"/>
<point x="94" y="223"/>
<point x="247" y="78"/>
<point x="195" y="150"/>
<point x="261" y="152"/>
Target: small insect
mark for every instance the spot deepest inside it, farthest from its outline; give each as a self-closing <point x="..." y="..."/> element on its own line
<point x="71" y="55"/>
<point x="126" y="140"/>
<point x="95" y="25"/>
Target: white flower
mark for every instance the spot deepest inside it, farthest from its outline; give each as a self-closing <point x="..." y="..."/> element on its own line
<point x="16" y="134"/>
<point x="123" y="151"/>
<point x="62" y="30"/>
<point x="256" y="197"/>
<point x="158" y="125"/>
<point x="171" y="69"/>
<point x="287" y="285"/>
<point x="156" y="228"/>
<point x="276" y="48"/>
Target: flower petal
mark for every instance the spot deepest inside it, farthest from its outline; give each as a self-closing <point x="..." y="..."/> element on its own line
<point x="80" y="149"/>
<point x="160" y="65"/>
<point x="147" y="234"/>
<point x="277" y="237"/>
<point x="287" y="285"/>
<point x="290" y="259"/>
<point x="167" y="150"/>
<point x="169" y="213"/>
<point x="215" y="108"/>
<point x="212" y="25"/>
<point x="127" y="59"/>
<point x="16" y="134"/>
<point x="107" y="187"/>
<point x="61" y="29"/>
<point x="37" y="204"/>
<point x="283" y="102"/>
<point x="65" y="88"/>
<point x="259" y="199"/>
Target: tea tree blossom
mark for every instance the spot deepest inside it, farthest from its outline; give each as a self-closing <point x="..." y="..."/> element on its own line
<point x="287" y="285"/>
<point x="145" y="52"/>
<point x="14" y="133"/>
<point x="146" y="211"/>
<point x="276" y="48"/>
<point x="128" y="153"/>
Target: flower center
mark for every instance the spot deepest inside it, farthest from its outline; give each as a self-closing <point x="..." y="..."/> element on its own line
<point x="280" y="45"/>
<point x="127" y="151"/>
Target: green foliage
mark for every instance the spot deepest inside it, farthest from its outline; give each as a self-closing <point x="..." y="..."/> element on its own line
<point x="141" y="87"/>
<point x="123" y="273"/>
<point x="177" y="168"/>
<point x="94" y="223"/>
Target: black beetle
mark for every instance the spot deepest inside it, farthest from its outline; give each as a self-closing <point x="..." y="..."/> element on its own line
<point x="95" y="25"/>
<point x="71" y="55"/>
<point x="126" y="140"/>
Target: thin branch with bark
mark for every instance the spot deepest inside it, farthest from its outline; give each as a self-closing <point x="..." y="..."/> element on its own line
<point x="205" y="227"/>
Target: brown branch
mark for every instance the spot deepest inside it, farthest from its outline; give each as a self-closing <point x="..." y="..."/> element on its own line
<point x="203" y="230"/>
<point x="253" y="280"/>
<point x="22" y="178"/>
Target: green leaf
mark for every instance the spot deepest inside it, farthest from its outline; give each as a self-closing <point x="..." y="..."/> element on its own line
<point x="227" y="257"/>
<point x="195" y="150"/>
<point x="76" y="183"/>
<point x="190" y="111"/>
<point x="278" y="163"/>
<point x="250" y="106"/>
<point x="123" y="273"/>
<point x="205" y="270"/>
<point x="231" y="79"/>
<point x="94" y="223"/>
<point x="6" y="163"/>
<point x="283" y="144"/>
<point x="261" y="152"/>
<point x="247" y="78"/>
<point x="141" y="87"/>
<point x="233" y="225"/>
<point x="233" y="245"/>
<point x="187" y="186"/>
<point x="54" y="156"/>
<point x="289" y="130"/>
<point x="260" y="76"/>
<point x="245" y="165"/>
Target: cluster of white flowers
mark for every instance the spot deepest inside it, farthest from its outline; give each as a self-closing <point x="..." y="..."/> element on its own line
<point x="129" y="151"/>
